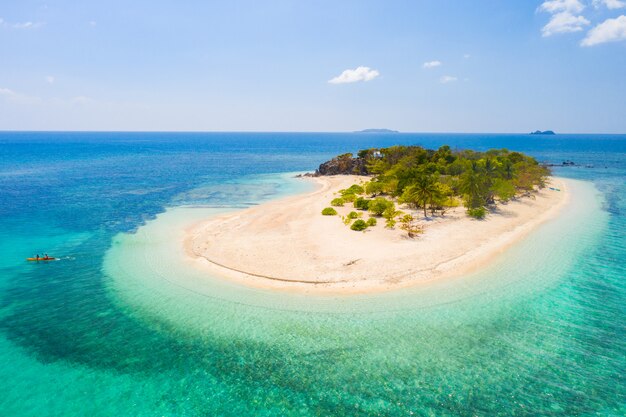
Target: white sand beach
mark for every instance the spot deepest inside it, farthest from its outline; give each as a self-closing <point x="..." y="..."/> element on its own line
<point x="287" y="244"/>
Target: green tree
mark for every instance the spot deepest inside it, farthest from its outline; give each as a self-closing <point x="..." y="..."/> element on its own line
<point x="423" y="192"/>
<point x="378" y="206"/>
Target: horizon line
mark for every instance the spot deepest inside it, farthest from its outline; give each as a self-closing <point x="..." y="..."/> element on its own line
<point x="301" y="131"/>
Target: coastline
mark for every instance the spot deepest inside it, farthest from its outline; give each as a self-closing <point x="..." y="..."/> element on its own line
<point x="262" y="246"/>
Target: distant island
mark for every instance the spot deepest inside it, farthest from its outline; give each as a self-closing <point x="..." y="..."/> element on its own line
<point x="376" y="131"/>
<point x="545" y="132"/>
<point x="382" y="219"/>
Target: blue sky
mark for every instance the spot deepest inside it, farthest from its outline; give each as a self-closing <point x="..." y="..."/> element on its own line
<point x="418" y="66"/>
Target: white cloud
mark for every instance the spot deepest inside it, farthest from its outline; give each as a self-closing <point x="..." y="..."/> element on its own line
<point x="611" y="30"/>
<point x="447" y="79"/>
<point x="93" y="23"/>
<point x="610" y="4"/>
<point x="354" y="75"/>
<point x="564" y="22"/>
<point x="558" y="6"/>
<point x="565" y="18"/>
<point x="24" y="25"/>
<point x="467" y="56"/>
<point x="49" y="79"/>
<point x="431" y="64"/>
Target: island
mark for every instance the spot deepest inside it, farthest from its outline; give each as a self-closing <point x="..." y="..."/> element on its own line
<point x="381" y="220"/>
<point x="544" y="132"/>
<point x="376" y="131"/>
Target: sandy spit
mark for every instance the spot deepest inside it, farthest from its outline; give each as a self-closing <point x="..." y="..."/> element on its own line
<point x="288" y="245"/>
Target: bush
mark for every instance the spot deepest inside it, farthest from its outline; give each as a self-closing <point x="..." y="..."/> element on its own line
<point x="477" y="213"/>
<point x="353" y="189"/>
<point x="359" y="225"/>
<point x="329" y="211"/>
<point x="361" y="203"/>
<point x="371" y="221"/>
<point x="378" y="206"/>
<point x="353" y="215"/>
<point x="348" y="197"/>
<point x="337" y="202"/>
<point x="374" y="187"/>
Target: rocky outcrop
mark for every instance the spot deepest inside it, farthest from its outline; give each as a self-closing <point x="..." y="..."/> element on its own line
<point x="545" y="132"/>
<point x="343" y="165"/>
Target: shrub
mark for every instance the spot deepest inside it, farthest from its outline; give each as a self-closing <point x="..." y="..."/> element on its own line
<point x="371" y="221"/>
<point x="378" y="206"/>
<point x="409" y="225"/>
<point x="390" y="223"/>
<point x="361" y="203"/>
<point x="337" y="202"/>
<point x="477" y="213"/>
<point x="374" y="187"/>
<point x="359" y="225"/>
<point x="348" y="197"/>
<point x="329" y="211"/>
<point x="353" y="189"/>
<point x="353" y="215"/>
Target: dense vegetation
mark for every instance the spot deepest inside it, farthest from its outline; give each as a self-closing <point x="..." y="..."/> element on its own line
<point x="434" y="181"/>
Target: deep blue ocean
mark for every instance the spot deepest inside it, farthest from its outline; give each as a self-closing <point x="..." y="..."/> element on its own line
<point x="75" y="342"/>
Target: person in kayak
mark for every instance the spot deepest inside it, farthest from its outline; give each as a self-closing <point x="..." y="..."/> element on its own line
<point x="37" y="256"/>
<point x="45" y="258"/>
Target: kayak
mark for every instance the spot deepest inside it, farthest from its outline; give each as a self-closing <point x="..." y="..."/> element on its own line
<point x="42" y="259"/>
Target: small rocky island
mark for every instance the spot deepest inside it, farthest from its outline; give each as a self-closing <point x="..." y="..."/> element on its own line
<point x="376" y="131"/>
<point x="544" y="132"/>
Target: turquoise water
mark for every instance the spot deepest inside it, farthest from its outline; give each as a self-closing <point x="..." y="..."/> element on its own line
<point x="122" y="326"/>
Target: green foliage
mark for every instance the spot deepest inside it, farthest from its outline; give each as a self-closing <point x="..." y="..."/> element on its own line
<point x="435" y="180"/>
<point x="378" y="206"/>
<point x="371" y="221"/>
<point x="504" y="190"/>
<point x="374" y="187"/>
<point x="329" y="211"/>
<point x="361" y="203"/>
<point x="353" y="189"/>
<point x="359" y="225"/>
<point x="353" y="215"/>
<point x="477" y="213"/>
<point x="337" y="202"/>
<point x="348" y="198"/>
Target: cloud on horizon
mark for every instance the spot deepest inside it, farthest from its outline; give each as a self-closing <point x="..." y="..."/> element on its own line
<point x="355" y="75"/>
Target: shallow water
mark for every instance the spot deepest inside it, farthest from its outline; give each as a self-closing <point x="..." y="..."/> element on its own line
<point x="121" y="326"/>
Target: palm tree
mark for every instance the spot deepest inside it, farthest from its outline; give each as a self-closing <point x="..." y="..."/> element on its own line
<point x="423" y="191"/>
<point x="473" y="186"/>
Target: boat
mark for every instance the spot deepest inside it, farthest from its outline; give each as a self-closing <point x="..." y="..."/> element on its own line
<point x="49" y="258"/>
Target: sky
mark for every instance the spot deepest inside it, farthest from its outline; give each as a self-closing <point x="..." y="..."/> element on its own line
<point x="280" y="65"/>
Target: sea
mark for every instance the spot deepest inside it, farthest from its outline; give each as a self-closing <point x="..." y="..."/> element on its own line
<point x="123" y="325"/>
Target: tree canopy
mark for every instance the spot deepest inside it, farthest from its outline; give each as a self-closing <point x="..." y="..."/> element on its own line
<point x="432" y="180"/>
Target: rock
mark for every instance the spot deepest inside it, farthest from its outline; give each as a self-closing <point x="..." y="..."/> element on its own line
<point x="343" y="165"/>
<point x="545" y="132"/>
